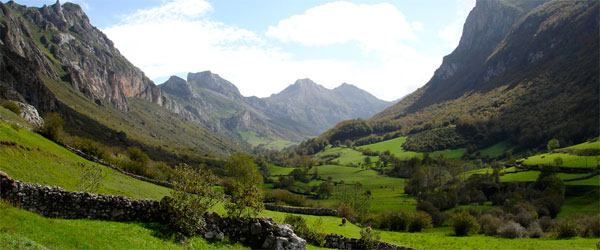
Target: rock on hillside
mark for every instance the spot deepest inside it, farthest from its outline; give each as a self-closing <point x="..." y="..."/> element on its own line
<point x="526" y="71"/>
<point x="89" y="60"/>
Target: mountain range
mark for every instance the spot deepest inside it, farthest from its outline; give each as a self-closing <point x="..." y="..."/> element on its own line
<point x="302" y="110"/>
<point x="53" y="58"/>
<point x="524" y="72"/>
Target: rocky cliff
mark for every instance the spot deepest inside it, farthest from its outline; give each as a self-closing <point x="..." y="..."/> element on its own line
<point x="64" y="45"/>
<point x="54" y="59"/>
<point x="524" y="72"/>
<point x="302" y="110"/>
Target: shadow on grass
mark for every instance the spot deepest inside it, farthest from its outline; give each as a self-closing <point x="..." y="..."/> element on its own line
<point x="164" y="232"/>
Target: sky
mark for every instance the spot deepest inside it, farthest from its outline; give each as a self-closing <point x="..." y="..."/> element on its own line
<point x="388" y="48"/>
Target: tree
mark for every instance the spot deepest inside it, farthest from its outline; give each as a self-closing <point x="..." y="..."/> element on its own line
<point x="355" y="197"/>
<point x="53" y="126"/>
<point x="348" y="143"/>
<point x="552" y="144"/>
<point x="192" y="195"/>
<point x="367" y="161"/>
<point x="325" y="190"/>
<point x="558" y="161"/>
<point x="246" y="188"/>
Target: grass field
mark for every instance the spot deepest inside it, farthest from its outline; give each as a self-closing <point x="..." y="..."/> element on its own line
<point x="569" y="160"/>
<point x="495" y="150"/>
<point x="530" y="176"/>
<point x="387" y="192"/>
<point x="442" y="238"/>
<point x="20" y="229"/>
<point x="38" y="160"/>
<point x="269" y="142"/>
<point x="394" y="146"/>
<point x="346" y="155"/>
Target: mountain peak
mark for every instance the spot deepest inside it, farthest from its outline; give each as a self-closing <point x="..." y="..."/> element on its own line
<point x="214" y="82"/>
<point x="305" y="82"/>
<point x="177" y="86"/>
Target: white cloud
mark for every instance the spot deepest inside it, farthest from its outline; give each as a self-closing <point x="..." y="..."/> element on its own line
<point x="379" y="27"/>
<point x="177" y="38"/>
<point x="417" y="26"/>
<point x="176" y="9"/>
<point x="452" y="32"/>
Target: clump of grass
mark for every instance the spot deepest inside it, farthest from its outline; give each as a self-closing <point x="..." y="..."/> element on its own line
<point x="12" y="106"/>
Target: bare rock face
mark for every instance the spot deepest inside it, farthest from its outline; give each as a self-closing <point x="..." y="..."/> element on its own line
<point x="65" y="46"/>
<point x="30" y="114"/>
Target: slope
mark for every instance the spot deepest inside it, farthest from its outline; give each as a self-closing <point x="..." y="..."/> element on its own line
<point x="524" y="72"/>
<point x="54" y="59"/>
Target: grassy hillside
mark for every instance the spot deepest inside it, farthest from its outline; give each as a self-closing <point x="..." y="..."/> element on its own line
<point x="35" y="159"/>
<point x="21" y="229"/>
<point x="144" y="123"/>
<point x="268" y="142"/>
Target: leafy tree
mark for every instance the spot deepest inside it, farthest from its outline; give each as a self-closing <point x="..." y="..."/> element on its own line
<point x="53" y="126"/>
<point x="552" y="144"/>
<point x="355" y="197"/>
<point x="325" y="190"/>
<point x="246" y="190"/>
<point x="299" y="175"/>
<point x="193" y="194"/>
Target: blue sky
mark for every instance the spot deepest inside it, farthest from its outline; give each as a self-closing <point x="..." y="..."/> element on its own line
<point x="389" y="48"/>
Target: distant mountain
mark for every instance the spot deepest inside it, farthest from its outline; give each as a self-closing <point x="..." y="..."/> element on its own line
<point x="302" y="110"/>
<point x="524" y="72"/>
<point x="54" y="59"/>
<point x="313" y="104"/>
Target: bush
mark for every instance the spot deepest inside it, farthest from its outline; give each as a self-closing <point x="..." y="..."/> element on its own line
<point x="91" y="179"/>
<point x="369" y="239"/>
<point x="436" y="216"/>
<point x="12" y="106"/>
<point x="246" y="186"/>
<point x="91" y="147"/>
<point x="288" y="198"/>
<point x="192" y="195"/>
<point x="545" y="223"/>
<point x="590" y="226"/>
<point x="489" y="224"/>
<point x="346" y="212"/>
<point x="53" y="126"/>
<point x="419" y="221"/>
<point x="512" y="230"/>
<point x="535" y="230"/>
<point x="314" y="235"/>
<point x="565" y="228"/>
<point x="464" y="224"/>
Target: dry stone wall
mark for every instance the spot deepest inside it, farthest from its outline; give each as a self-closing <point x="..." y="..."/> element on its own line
<point x="55" y="202"/>
<point x="303" y="210"/>
<point x="341" y="242"/>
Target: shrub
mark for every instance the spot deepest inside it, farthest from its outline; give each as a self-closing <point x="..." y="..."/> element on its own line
<point x="565" y="228"/>
<point x="53" y="126"/>
<point x="545" y="223"/>
<point x="246" y="190"/>
<point x="287" y="197"/>
<point x="464" y="224"/>
<point x="489" y="224"/>
<point x="12" y="106"/>
<point x="346" y="212"/>
<point x="419" y="221"/>
<point x="356" y="197"/>
<point x="315" y="234"/>
<point x="436" y="216"/>
<point x="369" y="239"/>
<point x="512" y="230"/>
<point x="192" y="195"/>
<point x="90" y="147"/>
<point x="535" y="230"/>
<point x="590" y="226"/>
<point x="91" y="179"/>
